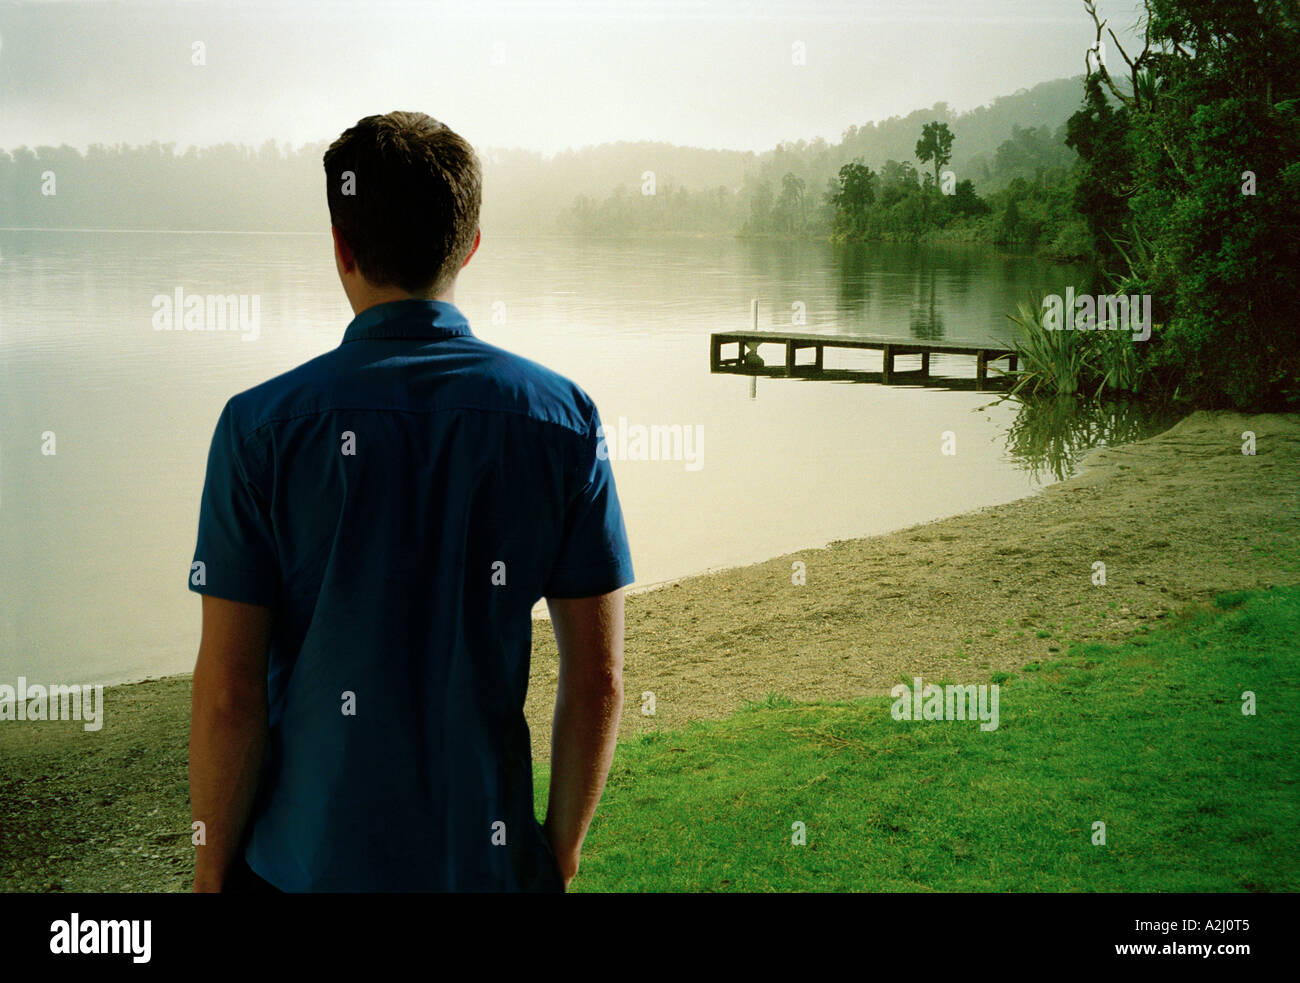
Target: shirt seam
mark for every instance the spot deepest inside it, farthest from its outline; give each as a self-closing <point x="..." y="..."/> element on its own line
<point x="378" y="334"/>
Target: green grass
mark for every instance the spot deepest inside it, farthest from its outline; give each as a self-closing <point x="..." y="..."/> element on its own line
<point x="1148" y="737"/>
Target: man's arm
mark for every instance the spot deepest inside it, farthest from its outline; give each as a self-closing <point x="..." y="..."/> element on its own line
<point x="588" y="705"/>
<point x="228" y="725"/>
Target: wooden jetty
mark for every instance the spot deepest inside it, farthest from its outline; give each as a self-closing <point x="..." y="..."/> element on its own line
<point x="889" y="348"/>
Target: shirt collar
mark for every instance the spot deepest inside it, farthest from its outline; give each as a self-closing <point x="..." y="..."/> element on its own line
<point x="410" y="318"/>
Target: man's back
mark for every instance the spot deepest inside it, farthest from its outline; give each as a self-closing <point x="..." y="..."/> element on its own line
<point x="402" y="502"/>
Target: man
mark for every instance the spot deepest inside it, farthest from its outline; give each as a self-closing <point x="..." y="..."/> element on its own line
<point x="376" y="527"/>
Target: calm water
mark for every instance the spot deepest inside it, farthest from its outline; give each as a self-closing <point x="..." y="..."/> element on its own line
<point x="96" y="539"/>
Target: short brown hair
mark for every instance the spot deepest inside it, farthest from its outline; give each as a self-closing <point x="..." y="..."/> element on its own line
<point x="416" y="190"/>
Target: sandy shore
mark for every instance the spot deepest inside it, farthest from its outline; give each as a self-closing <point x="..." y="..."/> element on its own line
<point x="1175" y="519"/>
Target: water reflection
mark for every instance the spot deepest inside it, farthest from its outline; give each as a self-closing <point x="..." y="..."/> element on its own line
<point x="925" y="320"/>
<point x="1051" y="435"/>
<point x="936" y="290"/>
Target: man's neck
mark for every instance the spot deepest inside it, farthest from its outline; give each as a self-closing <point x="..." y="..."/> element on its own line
<point x="371" y="298"/>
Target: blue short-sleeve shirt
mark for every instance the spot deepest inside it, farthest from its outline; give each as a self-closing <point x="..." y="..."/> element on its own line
<point x="402" y="502"/>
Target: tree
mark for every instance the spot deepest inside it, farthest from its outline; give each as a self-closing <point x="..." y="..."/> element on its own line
<point x="965" y="201"/>
<point x="760" y="209"/>
<point x="898" y="179"/>
<point x="788" y="213"/>
<point x="935" y="144"/>
<point x="1100" y="134"/>
<point x="1195" y="177"/>
<point x="853" y="197"/>
<point x="1032" y="153"/>
<point x="1009" y="228"/>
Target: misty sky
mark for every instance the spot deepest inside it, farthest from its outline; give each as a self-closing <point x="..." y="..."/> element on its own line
<point x="541" y="75"/>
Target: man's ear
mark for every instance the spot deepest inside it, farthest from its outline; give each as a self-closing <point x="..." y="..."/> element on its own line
<point x="342" y="251"/>
<point x="478" y="237"/>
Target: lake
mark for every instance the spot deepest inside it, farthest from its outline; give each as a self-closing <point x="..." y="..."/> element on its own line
<point x="96" y="538"/>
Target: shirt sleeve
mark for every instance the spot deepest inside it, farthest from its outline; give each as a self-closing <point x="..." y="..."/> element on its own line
<point x="594" y="557"/>
<point x="235" y="557"/>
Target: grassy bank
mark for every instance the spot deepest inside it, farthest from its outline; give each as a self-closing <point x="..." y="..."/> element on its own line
<point x="1147" y="737"/>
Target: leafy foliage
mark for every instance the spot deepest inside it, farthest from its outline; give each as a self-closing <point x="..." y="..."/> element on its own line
<point x="935" y="145"/>
<point x="1199" y="162"/>
<point x="1068" y="362"/>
